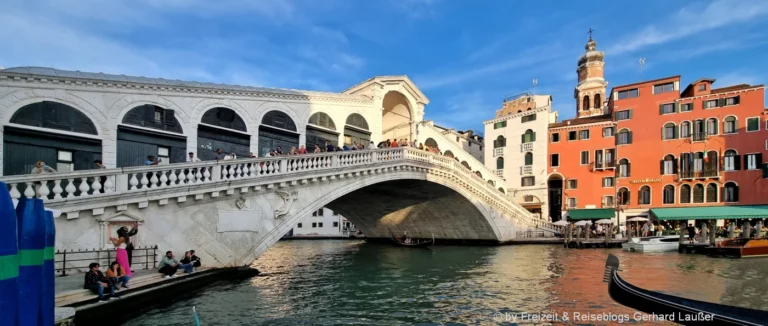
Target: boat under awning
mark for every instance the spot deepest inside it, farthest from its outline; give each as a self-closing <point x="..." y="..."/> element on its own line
<point x="589" y="214"/>
<point x="710" y="212"/>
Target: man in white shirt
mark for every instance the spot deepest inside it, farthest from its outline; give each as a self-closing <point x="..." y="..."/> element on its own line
<point x="192" y="158"/>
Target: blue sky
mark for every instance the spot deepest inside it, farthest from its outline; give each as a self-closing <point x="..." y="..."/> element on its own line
<point x="465" y="55"/>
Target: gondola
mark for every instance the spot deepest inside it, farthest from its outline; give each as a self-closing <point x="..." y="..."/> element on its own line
<point x="415" y="243"/>
<point x="676" y="309"/>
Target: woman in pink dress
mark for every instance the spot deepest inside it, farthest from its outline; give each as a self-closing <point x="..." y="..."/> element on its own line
<point x="122" y="254"/>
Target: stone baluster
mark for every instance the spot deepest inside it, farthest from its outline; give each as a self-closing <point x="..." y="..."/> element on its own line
<point x="134" y="182"/>
<point x="164" y="178"/>
<point x="43" y="190"/>
<point x="198" y="176"/>
<point x="70" y="188"/>
<point x="238" y="171"/>
<point x="173" y="178"/>
<point x="187" y="177"/>
<point x="84" y="188"/>
<point x="96" y="185"/>
<point x="225" y="172"/>
<point x="15" y="194"/>
<point x="109" y="184"/>
<point x="29" y="192"/>
<point x="207" y="174"/>
<point x="144" y="180"/>
<point x="247" y="170"/>
<point x="57" y="190"/>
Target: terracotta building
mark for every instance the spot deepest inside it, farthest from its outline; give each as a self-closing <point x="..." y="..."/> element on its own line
<point x="653" y="145"/>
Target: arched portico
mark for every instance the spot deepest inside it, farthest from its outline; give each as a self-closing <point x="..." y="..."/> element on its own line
<point x="397" y="116"/>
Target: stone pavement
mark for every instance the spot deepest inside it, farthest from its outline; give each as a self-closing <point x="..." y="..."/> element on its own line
<point x="75" y="280"/>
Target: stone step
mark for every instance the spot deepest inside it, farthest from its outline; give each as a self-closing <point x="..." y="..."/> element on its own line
<point x="76" y="297"/>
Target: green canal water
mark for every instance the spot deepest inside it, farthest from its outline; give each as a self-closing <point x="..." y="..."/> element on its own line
<point x="334" y="282"/>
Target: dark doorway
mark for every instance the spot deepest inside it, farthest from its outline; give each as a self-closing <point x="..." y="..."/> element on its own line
<point x="555" y="188"/>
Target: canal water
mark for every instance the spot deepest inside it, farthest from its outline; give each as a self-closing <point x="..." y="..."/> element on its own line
<point x="331" y="282"/>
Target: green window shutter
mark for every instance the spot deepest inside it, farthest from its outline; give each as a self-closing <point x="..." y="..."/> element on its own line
<point x="630" y="113"/>
<point x="661" y="108"/>
<point x="677" y="132"/>
<point x="737" y="99"/>
<point x="765" y="170"/>
<point x="533" y="136"/>
<point x="522" y="139"/>
<point x="629" y="138"/>
<point x="675" y="107"/>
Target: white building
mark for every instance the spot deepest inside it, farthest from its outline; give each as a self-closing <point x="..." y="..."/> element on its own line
<point x="467" y="140"/>
<point x="324" y="223"/>
<point x="519" y="149"/>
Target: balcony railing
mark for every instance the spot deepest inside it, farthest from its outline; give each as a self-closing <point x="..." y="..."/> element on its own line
<point x="500" y="172"/>
<point x="526" y="169"/>
<point x="526" y="147"/>
<point x="498" y="151"/>
<point x="600" y="165"/>
<point x="609" y="164"/>
<point x="701" y="174"/>
<point x="699" y="136"/>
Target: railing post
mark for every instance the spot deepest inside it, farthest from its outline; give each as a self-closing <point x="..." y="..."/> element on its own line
<point x="283" y="166"/>
<point x="121" y="182"/>
<point x="64" y="264"/>
<point x="334" y="161"/>
<point x="374" y="156"/>
<point x="216" y="173"/>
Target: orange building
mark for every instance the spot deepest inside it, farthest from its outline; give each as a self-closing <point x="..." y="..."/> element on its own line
<point x="653" y="146"/>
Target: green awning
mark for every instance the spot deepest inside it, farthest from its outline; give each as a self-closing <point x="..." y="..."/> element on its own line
<point x="710" y="212"/>
<point x="589" y="214"/>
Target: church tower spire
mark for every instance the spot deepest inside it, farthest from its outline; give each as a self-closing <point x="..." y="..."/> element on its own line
<point x="590" y="91"/>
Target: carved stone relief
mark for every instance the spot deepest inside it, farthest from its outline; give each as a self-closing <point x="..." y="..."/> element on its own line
<point x="284" y="202"/>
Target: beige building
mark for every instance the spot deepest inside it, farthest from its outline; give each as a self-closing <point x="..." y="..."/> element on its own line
<point x="467" y="140"/>
<point x="518" y="152"/>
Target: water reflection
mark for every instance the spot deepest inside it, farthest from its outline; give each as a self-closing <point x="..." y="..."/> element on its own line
<point x="336" y="282"/>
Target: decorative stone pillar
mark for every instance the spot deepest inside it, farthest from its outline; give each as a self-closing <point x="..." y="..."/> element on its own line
<point x="104" y="236"/>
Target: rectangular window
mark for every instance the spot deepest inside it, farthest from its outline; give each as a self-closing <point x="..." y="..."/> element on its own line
<point x="731" y="101"/>
<point x="702" y="87"/>
<point x="753" y="124"/>
<point x="663" y="88"/>
<point x="607" y="182"/>
<point x="599" y="158"/>
<point x="320" y="224"/>
<point x="609" y="157"/>
<point x="608" y="131"/>
<point x="335" y="224"/>
<point x="668" y="166"/>
<point x="669" y="131"/>
<point x="570" y="202"/>
<point x="528" y="118"/>
<point x="667" y="108"/>
<point x="64" y="161"/>
<point x="158" y="115"/>
<point x="298" y="225"/>
<point x="320" y="212"/>
<point x="554" y="160"/>
<point x="751" y="161"/>
<point x="729" y="162"/>
<point x="622" y="115"/>
<point x="630" y="93"/>
<point x="163" y="155"/>
<point x="501" y="124"/>
<point x="572" y="135"/>
<point x="624" y="138"/>
<point x="608" y="201"/>
<point x="571" y="184"/>
<point x="527" y="181"/>
<point x="729" y="126"/>
<point x="584" y="134"/>
<point x="555" y="137"/>
<point x="685" y="107"/>
<point x="314" y="225"/>
<point x="710" y="104"/>
<point x="584" y="157"/>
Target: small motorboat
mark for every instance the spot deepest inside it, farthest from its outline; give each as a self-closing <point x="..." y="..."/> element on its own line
<point x="652" y="244"/>
<point x="739" y="248"/>
<point x="676" y="309"/>
<point x="410" y="242"/>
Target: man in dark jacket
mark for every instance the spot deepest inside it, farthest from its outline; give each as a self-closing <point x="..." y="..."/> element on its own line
<point x="97" y="282"/>
<point x="123" y="232"/>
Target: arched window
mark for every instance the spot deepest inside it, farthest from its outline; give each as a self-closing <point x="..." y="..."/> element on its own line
<point x="225" y="118"/>
<point x="528" y="136"/>
<point x="644" y="196"/>
<point x="624" y="168"/>
<point x="731" y="192"/>
<point x="322" y="119"/>
<point x="528" y="158"/>
<point x="669" y="164"/>
<point x="500" y="142"/>
<point x="711" y="126"/>
<point x="431" y="143"/>
<point x="698" y="193"/>
<point x="710" y="163"/>
<point x="669" y="194"/>
<point x="685" y="194"/>
<point x="356" y="120"/>
<point x="730" y="125"/>
<point x="519" y="111"/>
<point x="501" y="190"/>
<point x="491" y="183"/>
<point x="598" y="101"/>
<point x="731" y="161"/>
<point x="54" y="115"/>
<point x="685" y="129"/>
<point x="712" y="193"/>
<point x="585" y="103"/>
<point x="448" y="154"/>
<point x="669" y="131"/>
<point x="623" y="196"/>
<point x="479" y="174"/>
<point x="278" y="119"/>
<point x="624" y="137"/>
<point x="465" y="164"/>
<point x="500" y="163"/>
<point x="154" y="117"/>
<point x="528" y="109"/>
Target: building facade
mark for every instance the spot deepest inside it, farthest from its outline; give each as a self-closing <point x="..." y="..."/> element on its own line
<point x="519" y="150"/>
<point x="324" y="223"/>
<point x="467" y="140"/>
<point x="652" y="145"/>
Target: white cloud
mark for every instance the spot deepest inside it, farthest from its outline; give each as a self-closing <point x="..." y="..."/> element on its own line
<point x="737" y="78"/>
<point x="465" y="111"/>
<point x="692" y="20"/>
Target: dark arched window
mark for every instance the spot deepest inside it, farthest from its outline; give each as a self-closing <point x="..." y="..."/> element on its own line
<point x="54" y="115"/>
<point x="152" y="116"/>
<point x="528" y="136"/>
<point x="431" y="143"/>
<point x="479" y="174"/>
<point x="698" y="193"/>
<point x="529" y="158"/>
<point x="448" y="154"/>
<point x="669" y="194"/>
<point x="685" y="194"/>
<point x="624" y="168"/>
<point x="711" y="162"/>
<point x="669" y="165"/>
<point x="585" y="103"/>
<point x="500" y="163"/>
<point x="500" y="142"/>
<point x="623" y="196"/>
<point x="528" y="109"/>
<point x="491" y="183"/>
<point x="321" y="119"/>
<point x="356" y="120"/>
<point x="712" y="193"/>
<point x="685" y="129"/>
<point x="501" y="190"/>
<point x="730" y="192"/>
<point x="598" y="102"/>
<point x="224" y="117"/>
<point x="731" y="161"/>
<point x="644" y="196"/>
<point x="278" y="119"/>
<point x="519" y="111"/>
<point x="465" y="164"/>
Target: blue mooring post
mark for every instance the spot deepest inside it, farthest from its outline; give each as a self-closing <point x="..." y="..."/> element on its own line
<point x="48" y="282"/>
<point x="9" y="259"/>
<point x="31" y="214"/>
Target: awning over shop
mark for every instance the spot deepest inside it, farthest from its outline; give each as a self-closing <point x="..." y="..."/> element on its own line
<point x="710" y="212"/>
<point x="588" y="214"/>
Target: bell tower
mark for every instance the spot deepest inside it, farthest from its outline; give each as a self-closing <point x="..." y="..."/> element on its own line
<point x="590" y="91"/>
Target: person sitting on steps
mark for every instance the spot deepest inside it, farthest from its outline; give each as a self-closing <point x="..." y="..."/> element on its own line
<point x="117" y="276"/>
<point x="97" y="282"/>
<point x="190" y="258"/>
<point x="169" y="265"/>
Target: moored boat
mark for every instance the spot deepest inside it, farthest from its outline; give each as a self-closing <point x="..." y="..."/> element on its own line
<point x="681" y="310"/>
<point x="410" y="242"/>
<point x="652" y="244"/>
<point x="739" y="248"/>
